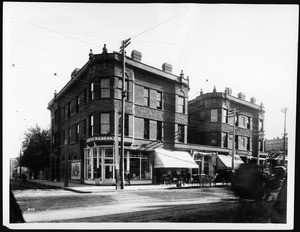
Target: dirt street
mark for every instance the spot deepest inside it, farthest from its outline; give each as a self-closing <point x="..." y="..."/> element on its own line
<point x="171" y="205"/>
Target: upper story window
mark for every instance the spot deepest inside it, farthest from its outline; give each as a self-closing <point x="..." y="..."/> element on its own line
<point x="261" y="125"/>
<point x="159" y="130"/>
<point x="69" y="135"/>
<point x="77" y="132"/>
<point x="224" y="139"/>
<point x="120" y="89"/>
<point x="69" y="109"/>
<point x="104" y="123"/>
<point x="92" y="93"/>
<point x="146" y="97"/>
<point x="214" y="115"/>
<point x="181" y="105"/>
<point x="181" y="133"/>
<point x="214" y="138"/>
<point x="105" y="88"/>
<point x="85" y="96"/>
<point x="224" y="115"/>
<point x="126" y="125"/>
<point x="159" y="100"/>
<point x="146" y="128"/>
<point x="77" y="103"/>
<point x="249" y="123"/>
<point x="91" y="125"/>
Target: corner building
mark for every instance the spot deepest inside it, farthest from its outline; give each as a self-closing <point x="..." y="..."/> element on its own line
<point x="86" y="119"/>
<point x="211" y="126"/>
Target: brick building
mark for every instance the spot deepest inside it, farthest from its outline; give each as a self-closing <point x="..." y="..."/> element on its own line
<point x="211" y="125"/>
<point x="85" y="117"/>
<point x="275" y="149"/>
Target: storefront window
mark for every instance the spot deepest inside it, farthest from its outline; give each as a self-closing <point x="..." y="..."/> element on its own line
<point x="135" y="168"/>
<point x="145" y="169"/>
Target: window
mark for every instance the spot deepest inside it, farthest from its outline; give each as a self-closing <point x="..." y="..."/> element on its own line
<point x="214" y="138"/>
<point x="77" y="132"/>
<point x="146" y="97"/>
<point x="104" y="124"/>
<point x="92" y="91"/>
<point x="214" y="115"/>
<point x="146" y="128"/>
<point x="77" y="103"/>
<point x="159" y="130"/>
<point x="181" y="133"/>
<point x="159" y="100"/>
<point x="85" y="96"/>
<point x="91" y="125"/>
<point x="69" y="109"/>
<point x="249" y="140"/>
<point x="69" y="135"/>
<point x="236" y="142"/>
<point x="127" y="89"/>
<point x="84" y="127"/>
<point x="244" y="121"/>
<point x="202" y="116"/>
<point x="244" y="142"/>
<point x="236" y="120"/>
<point x="126" y="125"/>
<point x="224" y="115"/>
<point x="249" y="123"/>
<point x="224" y="139"/>
<point x="64" y="112"/>
<point x="64" y="137"/>
<point x="105" y="88"/>
<point x="181" y="105"/>
<point x="261" y="125"/>
<point x="119" y="89"/>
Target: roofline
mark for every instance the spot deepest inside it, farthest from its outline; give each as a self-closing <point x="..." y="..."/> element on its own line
<point x="229" y="97"/>
<point x="129" y="61"/>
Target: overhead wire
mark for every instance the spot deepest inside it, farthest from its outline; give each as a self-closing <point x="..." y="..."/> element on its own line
<point x="53" y="31"/>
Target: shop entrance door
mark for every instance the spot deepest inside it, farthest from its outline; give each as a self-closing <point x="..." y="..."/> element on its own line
<point x="108" y="174"/>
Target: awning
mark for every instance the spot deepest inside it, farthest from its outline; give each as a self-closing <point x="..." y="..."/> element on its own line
<point x="225" y="161"/>
<point x="173" y="159"/>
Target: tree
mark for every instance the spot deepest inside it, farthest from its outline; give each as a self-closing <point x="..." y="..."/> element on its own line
<point x="36" y="149"/>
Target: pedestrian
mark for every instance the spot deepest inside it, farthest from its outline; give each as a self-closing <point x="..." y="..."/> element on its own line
<point x="128" y="177"/>
<point x="188" y="177"/>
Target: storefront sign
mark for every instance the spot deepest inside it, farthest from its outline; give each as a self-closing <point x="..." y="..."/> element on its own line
<point x="107" y="138"/>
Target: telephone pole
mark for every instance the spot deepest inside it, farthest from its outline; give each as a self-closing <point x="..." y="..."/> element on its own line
<point x="125" y="43"/>
<point x="284" y="110"/>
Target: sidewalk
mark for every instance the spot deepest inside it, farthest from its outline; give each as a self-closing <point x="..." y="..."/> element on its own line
<point x="86" y="188"/>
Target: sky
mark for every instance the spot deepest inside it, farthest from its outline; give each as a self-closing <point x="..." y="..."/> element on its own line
<point x="249" y="48"/>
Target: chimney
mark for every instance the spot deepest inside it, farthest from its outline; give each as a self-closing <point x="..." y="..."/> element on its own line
<point x="75" y="71"/>
<point x="167" y="67"/>
<point x="136" y="55"/>
<point x="242" y="96"/>
<point x="228" y="90"/>
<point x="253" y="100"/>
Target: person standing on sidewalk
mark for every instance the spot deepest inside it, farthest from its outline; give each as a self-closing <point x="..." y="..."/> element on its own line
<point x="128" y="177"/>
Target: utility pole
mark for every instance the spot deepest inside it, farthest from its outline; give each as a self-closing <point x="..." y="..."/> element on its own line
<point x="284" y="135"/>
<point x="20" y="165"/>
<point x="233" y="140"/>
<point x="125" y="43"/>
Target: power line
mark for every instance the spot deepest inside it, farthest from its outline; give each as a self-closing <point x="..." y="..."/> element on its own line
<point x="154" y="26"/>
<point x="53" y="31"/>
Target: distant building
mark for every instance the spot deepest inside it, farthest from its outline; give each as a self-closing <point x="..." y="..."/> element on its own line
<point x="275" y="149"/>
<point x="211" y="124"/>
<point x="85" y="118"/>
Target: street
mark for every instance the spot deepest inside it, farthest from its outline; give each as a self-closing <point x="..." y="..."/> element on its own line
<point x="216" y="204"/>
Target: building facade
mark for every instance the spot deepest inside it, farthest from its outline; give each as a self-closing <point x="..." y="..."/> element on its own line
<point x="276" y="148"/>
<point x="86" y="114"/>
<point x="211" y="124"/>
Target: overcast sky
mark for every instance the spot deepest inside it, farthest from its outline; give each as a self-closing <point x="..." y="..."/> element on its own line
<point x="250" y="48"/>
